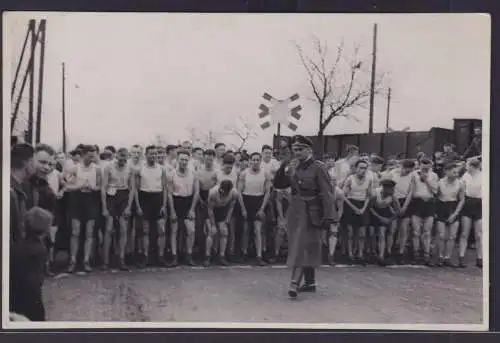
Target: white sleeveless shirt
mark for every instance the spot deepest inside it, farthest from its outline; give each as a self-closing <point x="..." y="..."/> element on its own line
<point x="402" y="187"/>
<point x="448" y="191"/>
<point x="183" y="185"/>
<point x="233" y="176"/>
<point x="255" y="182"/>
<point x="86" y="175"/>
<point x="358" y="190"/>
<point x="117" y="179"/>
<point x="151" y="178"/>
<point x="422" y="190"/>
<point x="472" y="185"/>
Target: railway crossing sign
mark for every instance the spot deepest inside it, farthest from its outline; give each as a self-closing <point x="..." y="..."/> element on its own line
<point x="279" y="111"/>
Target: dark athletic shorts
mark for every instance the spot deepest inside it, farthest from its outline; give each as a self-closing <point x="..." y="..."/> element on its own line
<point x="423" y="209"/>
<point x="253" y="204"/>
<point x="117" y="203"/>
<point x="202" y="205"/>
<point x="83" y="206"/>
<point x="444" y="209"/>
<point x="383" y="212"/>
<point x="407" y="213"/>
<point x="182" y="206"/>
<point x="151" y="204"/>
<point x="353" y="219"/>
<point x="473" y="208"/>
<point x="220" y="213"/>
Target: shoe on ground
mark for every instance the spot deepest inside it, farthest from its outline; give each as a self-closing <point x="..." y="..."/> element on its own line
<point x="479" y="263"/>
<point x="448" y="263"/>
<point x="87" y="268"/>
<point x="307" y="288"/>
<point x="206" y="262"/>
<point x="292" y="290"/>
<point x="223" y="261"/>
<point x="461" y="263"/>
<point x="260" y="262"/>
<point x="189" y="260"/>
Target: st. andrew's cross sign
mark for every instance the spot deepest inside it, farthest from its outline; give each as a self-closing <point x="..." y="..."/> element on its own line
<point x="279" y="112"/>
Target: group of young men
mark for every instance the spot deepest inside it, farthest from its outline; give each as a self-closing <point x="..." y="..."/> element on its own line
<point x="154" y="205"/>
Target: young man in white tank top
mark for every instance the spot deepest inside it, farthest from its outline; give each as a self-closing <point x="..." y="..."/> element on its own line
<point x="383" y="209"/>
<point x="151" y="200"/>
<point x="254" y="184"/>
<point x="220" y="203"/>
<point x="83" y="206"/>
<point x="135" y="162"/>
<point x="358" y="191"/>
<point x="117" y="198"/>
<point x="450" y="202"/>
<point x="373" y="173"/>
<point x="207" y="178"/>
<point x="183" y="189"/>
<point x="422" y="208"/>
<point x="472" y="211"/>
<point x="228" y="172"/>
<point x="404" y="192"/>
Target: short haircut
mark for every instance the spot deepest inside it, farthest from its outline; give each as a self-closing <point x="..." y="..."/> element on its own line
<point x="197" y="149"/>
<point x="75" y="152"/>
<point x="184" y="152"/>
<point x="96" y="147"/>
<point x="450" y="166"/>
<point x="110" y="148"/>
<point x="209" y="152"/>
<point x="45" y="147"/>
<point x="230" y="152"/>
<point x="255" y="154"/>
<point x="237" y="152"/>
<point x="377" y="160"/>
<point x="122" y="151"/>
<point x="160" y="147"/>
<point x="266" y="147"/>
<point x="20" y="154"/>
<point x="150" y="147"/>
<point x="228" y="159"/>
<point x="105" y="155"/>
<point x="226" y="185"/>
<point x="88" y="148"/>
<point x="170" y="148"/>
<point x="408" y="164"/>
<point x="79" y="146"/>
<point x="425" y="161"/>
<point x="219" y="144"/>
<point x="351" y="148"/>
<point x="137" y="146"/>
<point x="358" y="162"/>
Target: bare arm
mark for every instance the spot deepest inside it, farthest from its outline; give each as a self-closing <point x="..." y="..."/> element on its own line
<point x="137" y="176"/>
<point x="104" y="188"/>
<point x="369" y="193"/>
<point x="267" y="194"/>
<point x="461" y="200"/>
<point x="131" y="187"/>
<point x="409" y="196"/>
<point x="196" y="194"/>
<point x="170" y="191"/>
<point x="164" y="188"/>
<point x="210" y="208"/>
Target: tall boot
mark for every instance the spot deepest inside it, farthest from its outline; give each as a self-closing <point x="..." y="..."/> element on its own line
<point x="309" y="280"/>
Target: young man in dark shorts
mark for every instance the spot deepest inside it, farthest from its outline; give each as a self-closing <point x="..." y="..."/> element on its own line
<point x="151" y="200"/>
<point x="83" y="205"/>
<point x="207" y="178"/>
<point x="183" y="195"/>
<point x="135" y="163"/>
<point x="422" y="208"/>
<point x="117" y="197"/>
<point x="254" y="185"/>
<point x="221" y="201"/>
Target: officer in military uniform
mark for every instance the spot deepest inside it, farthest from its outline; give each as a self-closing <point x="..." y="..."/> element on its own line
<point x="310" y="212"/>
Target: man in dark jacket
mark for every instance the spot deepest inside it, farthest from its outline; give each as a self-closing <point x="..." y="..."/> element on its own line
<point x="310" y="212"/>
<point x="27" y="266"/>
<point x="22" y="168"/>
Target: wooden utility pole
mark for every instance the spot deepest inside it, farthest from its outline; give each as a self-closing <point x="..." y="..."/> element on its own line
<point x="41" y="30"/>
<point x="31" y="69"/>
<point x="387" y="115"/>
<point x="63" y="109"/>
<point x="374" y="69"/>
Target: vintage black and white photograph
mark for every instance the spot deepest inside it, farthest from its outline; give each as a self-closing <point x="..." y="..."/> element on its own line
<point x="180" y="170"/>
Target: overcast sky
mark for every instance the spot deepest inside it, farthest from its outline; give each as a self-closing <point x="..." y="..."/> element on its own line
<point x="133" y="76"/>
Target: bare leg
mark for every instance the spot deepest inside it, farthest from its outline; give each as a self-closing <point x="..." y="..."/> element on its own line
<point x="278" y="242"/>
<point x="350" y="236"/>
<point x="464" y="237"/>
<point x="108" y="231"/>
<point x="210" y="233"/>
<point x="441" y="234"/>
<point x="190" y="230"/>
<point x="417" y="234"/>
<point x="258" y="237"/>
<point x="361" y="241"/>
<point x="231" y="237"/>
<point x="381" y="242"/>
<point x="173" y="238"/>
<point x="427" y="236"/>
<point x="123" y="237"/>
<point x="391" y="236"/>
<point x="244" y="238"/>
<point x="403" y="235"/>
<point x="75" y="240"/>
<point x="52" y="237"/>
<point x="145" y="239"/>
<point x="451" y="239"/>
<point x="223" y="233"/>
<point x="478" y="232"/>
<point x="89" y="237"/>
<point x="162" y="239"/>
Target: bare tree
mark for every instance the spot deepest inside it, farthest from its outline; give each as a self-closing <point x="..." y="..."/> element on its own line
<point x="339" y="85"/>
<point x="243" y="130"/>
